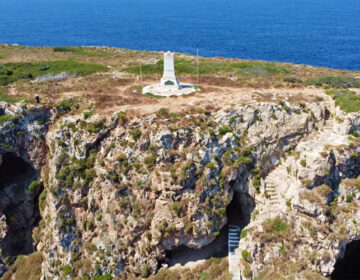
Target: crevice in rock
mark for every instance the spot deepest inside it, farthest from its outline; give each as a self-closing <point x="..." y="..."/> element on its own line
<point x="19" y="205"/>
<point x="237" y="212"/>
<point x="348" y="267"/>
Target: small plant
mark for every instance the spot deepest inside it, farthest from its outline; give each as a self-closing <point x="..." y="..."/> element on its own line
<point x="176" y="208"/>
<point x="246" y="255"/>
<point x="163" y="112"/>
<point x="87" y="114"/>
<point x="243" y="233"/>
<point x="33" y="186"/>
<point x="303" y="163"/>
<point x="150" y="161"/>
<point x="288" y="203"/>
<point x="224" y="129"/>
<point x="135" y="134"/>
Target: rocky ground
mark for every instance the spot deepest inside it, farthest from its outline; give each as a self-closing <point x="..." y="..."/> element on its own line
<point x="113" y="194"/>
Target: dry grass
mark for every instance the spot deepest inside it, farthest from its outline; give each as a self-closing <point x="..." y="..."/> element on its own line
<point x="25" y="268"/>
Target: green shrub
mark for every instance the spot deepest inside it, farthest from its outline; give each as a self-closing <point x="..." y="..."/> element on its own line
<point x="292" y="80"/>
<point x="66" y="104"/>
<point x="150" y="161"/>
<point x="335" y="82"/>
<point x="7" y="118"/>
<point x="12" y="72"/>
<point x="303" y="163"/>
<point x="276" y="225"/>
<point x="135" y="133"/>
<point x="176" y="208"/>
<point x="348" y="101"/>
<point x="33" y="187"/>
<point x="224" y="129"/>
<point x="66" y="271"/>
<point x="87" y="114"/>
<point x="82" y="51"/>
<point x="246" y="255"/>
<point x="243" y="233"/>
<point x="163" y="112"/>
<point x="102" y="277"/>
<point x="95" y="127"/>
<point x="145" y="270"/>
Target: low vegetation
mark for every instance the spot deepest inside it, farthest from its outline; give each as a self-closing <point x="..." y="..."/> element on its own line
<point x="12" y="72"/>
<point x="334" y="82"/>
<point x="188" y="66"/>
<point x="82" y="51"/>
<point x="211" y="269"/>
<point x="25" y="268"/>
<point x="348" y="101"/>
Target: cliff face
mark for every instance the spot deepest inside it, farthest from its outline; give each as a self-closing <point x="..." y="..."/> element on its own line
<point x="121" y="193"/>
<point x="22" y="155"/>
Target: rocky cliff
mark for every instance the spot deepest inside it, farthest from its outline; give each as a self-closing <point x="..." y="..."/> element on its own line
<point x="120" y="193"/>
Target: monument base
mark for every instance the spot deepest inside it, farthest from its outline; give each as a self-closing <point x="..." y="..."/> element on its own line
<point x="167" y="91"/>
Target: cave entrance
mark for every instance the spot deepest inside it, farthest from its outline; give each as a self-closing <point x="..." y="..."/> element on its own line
<point x="349" y="266"/>
<point x="238" y="214"/>
<point x="14" y="169"/>
<point x="19" y="206"/>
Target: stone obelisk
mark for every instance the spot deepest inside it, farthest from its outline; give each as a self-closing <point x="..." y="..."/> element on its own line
<point x="169" y="78"/>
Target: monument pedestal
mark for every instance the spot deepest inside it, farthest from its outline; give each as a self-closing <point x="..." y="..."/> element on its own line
<point x="169" y="84"/>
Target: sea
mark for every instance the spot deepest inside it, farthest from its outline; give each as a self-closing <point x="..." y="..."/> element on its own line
<point x="316" y="32"/>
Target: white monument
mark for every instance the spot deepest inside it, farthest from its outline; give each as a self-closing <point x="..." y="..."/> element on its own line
<point x="169" y="77"/>
<point x="169" y="84"/>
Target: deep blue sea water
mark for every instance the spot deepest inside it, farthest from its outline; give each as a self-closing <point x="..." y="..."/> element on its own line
<point x="316" y="32"/>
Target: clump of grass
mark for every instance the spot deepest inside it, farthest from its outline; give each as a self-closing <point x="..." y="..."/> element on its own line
<point x="82" y="51"/>
<point x="6" y="118"/>
<point x="25" y="267"/>
<point x="348" y="101"/>
<point x="6" y="98"/>
<point x="12" y="72"/>
<point x="334" y="82"/>
<point x="292" y="80"/>
<point x="66" y="105"/>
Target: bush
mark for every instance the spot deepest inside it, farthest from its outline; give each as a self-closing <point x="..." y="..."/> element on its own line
<point x="246" y="255"/>
<point x="276" y="225"/>
<point x="65" y="105"/>
<point x="292" y="80"/>
<point x="145" y="271"/>
<point x="135" y="133"/>
<point x="33" y="187"/>
<point x="25" y="267"/>
<point x="224" y="129"/>
<point x="303" y="163"/>
<point x="176" y="208"/>
<point x="335" y="82"/>
<point x="162" y="113"/>
<point x="150" y="161"/>
<point x="12" y="72"/>
<point x="348" y="101"/>
<point x="87" y="114"/>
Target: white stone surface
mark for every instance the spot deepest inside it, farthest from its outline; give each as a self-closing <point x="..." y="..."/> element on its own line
<point x="169" y="84"/>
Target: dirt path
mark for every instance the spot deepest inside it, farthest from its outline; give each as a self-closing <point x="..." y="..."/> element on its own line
<point x="220" y="97"/>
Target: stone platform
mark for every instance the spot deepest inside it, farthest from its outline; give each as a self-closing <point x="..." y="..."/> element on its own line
<point x="167" y="91"/>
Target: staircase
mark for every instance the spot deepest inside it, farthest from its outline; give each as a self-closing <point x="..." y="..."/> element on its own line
<point x="330" y="106"/>
<point x="270" y="188"/>
<point x="234" y="259"/>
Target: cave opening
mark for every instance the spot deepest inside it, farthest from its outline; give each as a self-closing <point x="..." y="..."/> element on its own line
<point x="238" y="214"/>
<point x="14" y="169"/>
<point x="349" y="266"/>
<point x="19" y="205"/>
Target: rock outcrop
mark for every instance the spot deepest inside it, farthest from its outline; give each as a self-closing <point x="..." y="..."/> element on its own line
<point x="119" y="193"/>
